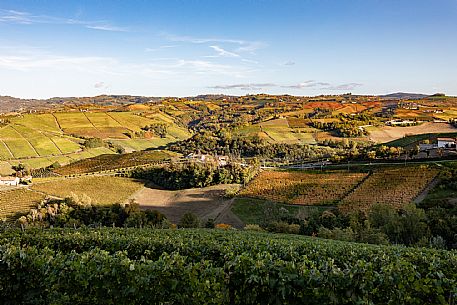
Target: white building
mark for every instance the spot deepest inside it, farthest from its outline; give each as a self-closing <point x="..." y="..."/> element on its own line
<point x="9" y="181"/>
<point x="446" y="143"/>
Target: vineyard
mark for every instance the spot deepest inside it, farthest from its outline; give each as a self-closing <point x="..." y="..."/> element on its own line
<point x="143" y="266"/>
<point x="396" y="187"/>
<point x="104" y="190"/>
<point x="303" y="188"/>
<point x="112" y="162"/>
<point x="17" y="201"/>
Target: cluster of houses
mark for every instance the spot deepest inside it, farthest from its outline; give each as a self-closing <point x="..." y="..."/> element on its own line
<point x="220" y="160"/>
<point x="14" y="181"/>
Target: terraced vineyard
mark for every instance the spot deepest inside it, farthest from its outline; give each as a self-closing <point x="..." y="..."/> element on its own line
<point x="396" y="187"/>
<point x="304" y="188"/>
<point x="104" y="190"/>
<point x="111" y="162"/>
<point x="17" y="201"/>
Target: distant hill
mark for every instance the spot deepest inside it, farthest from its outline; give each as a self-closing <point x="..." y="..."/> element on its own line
<point x="404" y="96"/>
<point x="13" y="104"/>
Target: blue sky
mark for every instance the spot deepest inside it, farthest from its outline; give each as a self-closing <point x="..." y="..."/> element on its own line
<point x="183" y="48"/>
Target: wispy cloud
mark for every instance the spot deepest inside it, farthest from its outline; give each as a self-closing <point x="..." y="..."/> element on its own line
<point x="40" y="60"/>
<point x="248" y="86"/>
<point x="309" y="84"/>
<point x="289" y="63"/>
<point x="100" y="85"/>
<point x="243" y="45"/>
<point x="27" y="18"/>
<point x="306" y="84"/>
<point x="160" y="48"/>
<point x="223" y="53"/>
<point x="349" y="86"/>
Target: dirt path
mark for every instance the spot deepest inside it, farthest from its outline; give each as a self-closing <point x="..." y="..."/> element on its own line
<point x="425" y="192"/>
<point x="205" y="202"/>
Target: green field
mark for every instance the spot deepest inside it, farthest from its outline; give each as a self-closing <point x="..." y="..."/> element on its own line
<point x="16" y="143"/>
<point x="39" y="140"/>
<point x="43" y="122"/>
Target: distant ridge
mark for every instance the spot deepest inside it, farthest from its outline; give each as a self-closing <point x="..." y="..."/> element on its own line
<point x="404" y="96"/>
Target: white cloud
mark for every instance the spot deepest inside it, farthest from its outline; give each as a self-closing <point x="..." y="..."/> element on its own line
<point x="21" y="17"/>
<point x="306" y="84"/>
<point x="100" y="85"/>
<point x="223" y="53"/>
<point x="289" y="63"/>
<point x="247" y="86"/>
<point x="348" y="86"/>
<point x="243" y="45"/>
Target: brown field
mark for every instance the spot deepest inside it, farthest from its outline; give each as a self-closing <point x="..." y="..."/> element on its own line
<point x="388" y="133"/>
<point x="302" y="188"/>
<point x="395" y="187"/>
<point x="204" y="202"/>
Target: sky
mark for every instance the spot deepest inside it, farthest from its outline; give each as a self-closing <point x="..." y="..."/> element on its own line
<point x="185" y="48"/>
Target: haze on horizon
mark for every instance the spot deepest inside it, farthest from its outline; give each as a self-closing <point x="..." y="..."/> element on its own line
<point x="184" y="48"/>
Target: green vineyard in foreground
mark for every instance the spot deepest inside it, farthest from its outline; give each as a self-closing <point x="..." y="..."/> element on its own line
<point x="145" y="266"/>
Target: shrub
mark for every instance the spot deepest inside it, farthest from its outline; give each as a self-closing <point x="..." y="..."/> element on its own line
<point x="253" y="227"/>
<point x="223" y="226"/>
<point x="189" y="220"/>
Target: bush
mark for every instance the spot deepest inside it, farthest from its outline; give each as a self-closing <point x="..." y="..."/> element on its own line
<point x="223" y="226"/>
<point x="253" y="227"/>
<point x="189" y="220"/>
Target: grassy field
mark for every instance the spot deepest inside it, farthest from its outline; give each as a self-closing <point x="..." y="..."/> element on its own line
<point x="17" y="144"/>
<point x="102" y="190"/>
<point x="43" y="122"/>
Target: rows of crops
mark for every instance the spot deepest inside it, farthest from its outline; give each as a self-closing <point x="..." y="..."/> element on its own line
<point x="143" y="266"/>
<point x="104" y="190"/>
<point x="17" y="201"/>
<point x="304" y="188"/>
<point x="395" y="186"/>
<point x="111" y="162"/>
<point x="18" y="141"/>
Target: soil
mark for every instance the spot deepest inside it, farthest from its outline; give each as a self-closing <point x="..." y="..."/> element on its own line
<point x="206" y="203"/>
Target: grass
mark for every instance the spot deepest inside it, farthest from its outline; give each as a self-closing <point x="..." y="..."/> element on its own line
<point x="104" y="190"/>
<point x="73" y="120"/>
<point x="43" y="122"/>
<point x="4" y="152"/>
<point x="18" y="145"/>
<point x="5" y="169"/>
<point x="101" y="119"/>
<point x="130" y="120"/>
<point x="42" y="144"/>
<point x="66" y="145"/>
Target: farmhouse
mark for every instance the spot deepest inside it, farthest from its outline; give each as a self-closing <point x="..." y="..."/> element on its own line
<point x="9" y="181"/>
<point x="221" y="160"/>
<point x="446" y="142"/>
